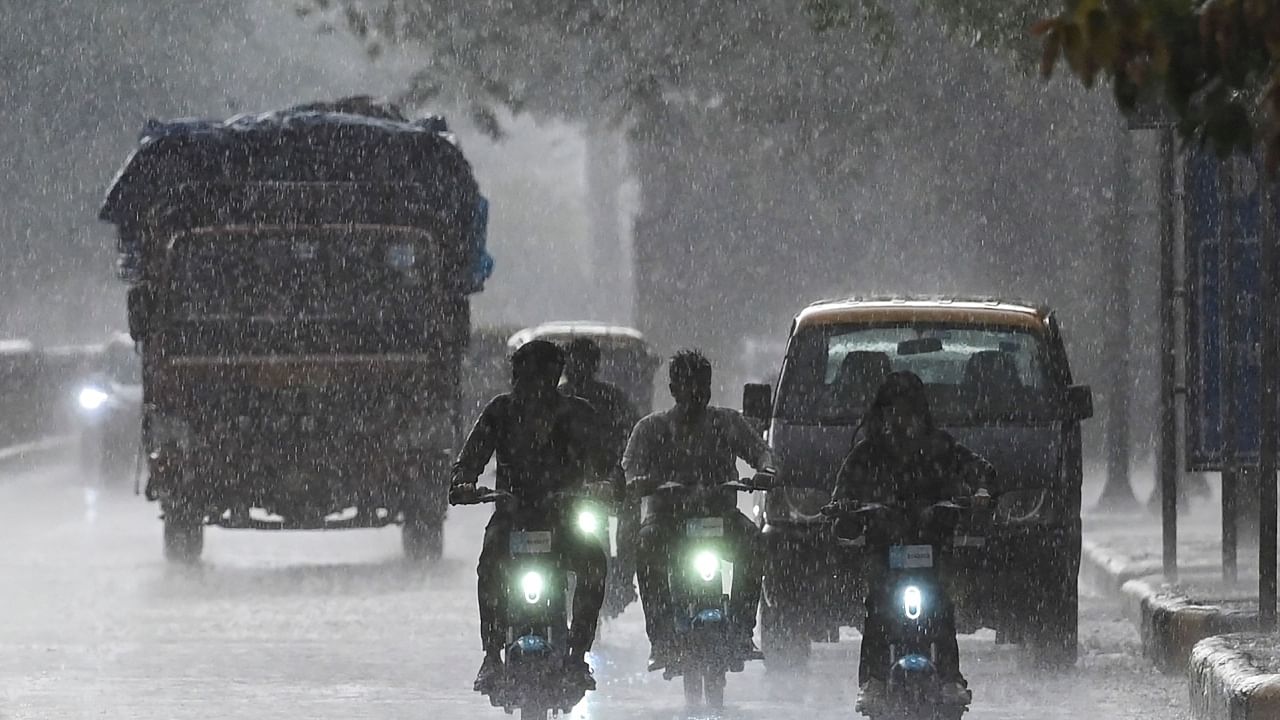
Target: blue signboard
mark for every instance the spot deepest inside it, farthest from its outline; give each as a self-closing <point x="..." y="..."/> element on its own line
<point x="1222" y="231"/>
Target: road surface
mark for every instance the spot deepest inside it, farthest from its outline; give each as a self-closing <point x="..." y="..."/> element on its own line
<point x="335" y="625"/>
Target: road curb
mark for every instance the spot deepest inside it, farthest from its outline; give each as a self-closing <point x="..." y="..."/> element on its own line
<point x="34" y="451"/>
<point x="1171" y="625"/>
<point x="1225" y="684"/>
<point x="1106" y="572"/>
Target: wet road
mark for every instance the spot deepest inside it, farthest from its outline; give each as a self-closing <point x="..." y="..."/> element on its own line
<point x="334" y="625"/>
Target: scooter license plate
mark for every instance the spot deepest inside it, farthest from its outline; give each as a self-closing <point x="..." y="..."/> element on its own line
<point x="906" y="557"/>
<point x="704" y="527"/>
<point x="534" y="542"/>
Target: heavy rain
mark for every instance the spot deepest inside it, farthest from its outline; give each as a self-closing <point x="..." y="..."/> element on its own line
<point x="838" y="358"/>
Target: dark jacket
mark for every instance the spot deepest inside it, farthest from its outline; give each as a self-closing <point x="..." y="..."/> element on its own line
<point x="542" y="445"/>
<point x="875" y="472"/>
<point x="615" y="415"/>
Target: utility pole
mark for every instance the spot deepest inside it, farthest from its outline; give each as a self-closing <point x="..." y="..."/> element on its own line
<point x="1269" y="420"/>
<point x="1167" y="457"/>
<point x="1230" y="442"/>
<point x="1117" y="492"/>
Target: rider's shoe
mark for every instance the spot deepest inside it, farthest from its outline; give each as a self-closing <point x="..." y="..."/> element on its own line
<point x="871" y="695"/>
<point x="578" y="671"/>
<point x="490" y="671"/>
<point x="955" y="693"/>
<point x="745" y="651"/>
<point x="660" y="656"/>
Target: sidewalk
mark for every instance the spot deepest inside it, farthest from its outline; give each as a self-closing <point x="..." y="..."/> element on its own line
<point x="1199" y="625"/>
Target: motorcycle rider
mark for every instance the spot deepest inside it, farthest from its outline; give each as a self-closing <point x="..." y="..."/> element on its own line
<point x="693" y="443"/>
<point x="544" y="443"/>
<point x="615" y="416"/>
<point x="904" y="459"/>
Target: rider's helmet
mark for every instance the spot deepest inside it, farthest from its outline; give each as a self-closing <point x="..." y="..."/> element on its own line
<point x="536" y="363"/>
<point x="582" y="355"/>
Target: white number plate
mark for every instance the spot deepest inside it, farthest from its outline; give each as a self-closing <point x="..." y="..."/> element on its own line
<point x="704" y="527"/>
<point x="906" y="557"/>
<point x="536" y="542"/>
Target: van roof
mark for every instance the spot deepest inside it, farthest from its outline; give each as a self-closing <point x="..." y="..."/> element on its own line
<point x="959" y="311"/>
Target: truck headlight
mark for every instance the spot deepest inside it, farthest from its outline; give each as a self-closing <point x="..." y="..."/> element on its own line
<point x="912" y="602"/>
<point x="532" y="585"/>
<point x="706" y="564"/>
<point x="92" y="398"/>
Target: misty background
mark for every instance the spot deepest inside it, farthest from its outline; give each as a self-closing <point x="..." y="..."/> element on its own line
<point x="928" y="166"/>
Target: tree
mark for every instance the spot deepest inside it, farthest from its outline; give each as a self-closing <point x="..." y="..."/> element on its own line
<point x="1214" y="63"/>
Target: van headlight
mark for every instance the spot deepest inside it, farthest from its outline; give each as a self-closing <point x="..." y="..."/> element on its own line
<point x="912" y="602"/>
<point x="91" y="399"/>
<point x="532" y="585"/>
<point x="706" y="564"/>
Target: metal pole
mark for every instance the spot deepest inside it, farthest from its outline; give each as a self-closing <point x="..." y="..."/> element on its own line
<point x="1269" y="421"/>
<point x="1117" y="492"/>
<point x="1227" y="313"/>
<point x="1167" y="467"/>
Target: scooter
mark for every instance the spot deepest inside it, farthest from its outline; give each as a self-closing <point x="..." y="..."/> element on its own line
<point x="913" y="596"/>
<point x="539" y="590"/>
<point x="707" y="644"/>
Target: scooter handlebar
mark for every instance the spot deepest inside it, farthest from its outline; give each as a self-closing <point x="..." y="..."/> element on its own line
<point x="476" y="495"/>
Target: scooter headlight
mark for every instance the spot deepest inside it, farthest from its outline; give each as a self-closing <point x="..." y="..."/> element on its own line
<point x="706" y="564"/>
<point x="91" y="398"/>
<point x="588" y="522"/>
<point x="532" y="585"/>
<point x="912" y="602"/>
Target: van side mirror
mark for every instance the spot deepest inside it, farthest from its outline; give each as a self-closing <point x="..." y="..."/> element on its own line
<point x="139" y="302"/>
<point x="1079" y="402"/>
<point x="757" y="401"/>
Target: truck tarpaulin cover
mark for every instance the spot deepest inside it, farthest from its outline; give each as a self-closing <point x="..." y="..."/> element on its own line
<point x="351" y="141"/>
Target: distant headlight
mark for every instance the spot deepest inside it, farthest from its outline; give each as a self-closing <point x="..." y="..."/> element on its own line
<point x="91" y="398"/>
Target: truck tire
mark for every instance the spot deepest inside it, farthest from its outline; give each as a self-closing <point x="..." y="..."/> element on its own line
<point x="1054" y="638"/>
<point x="183" y="537"/>
<point x="423" y="539"/>
<point x="426" y="506"/>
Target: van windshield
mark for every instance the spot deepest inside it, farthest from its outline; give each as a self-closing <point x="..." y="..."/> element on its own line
<point x="972" y="374"/>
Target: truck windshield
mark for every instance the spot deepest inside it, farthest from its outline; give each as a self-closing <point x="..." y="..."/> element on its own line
<point x="302" y="273"/>
<point x="972" y="374"/>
